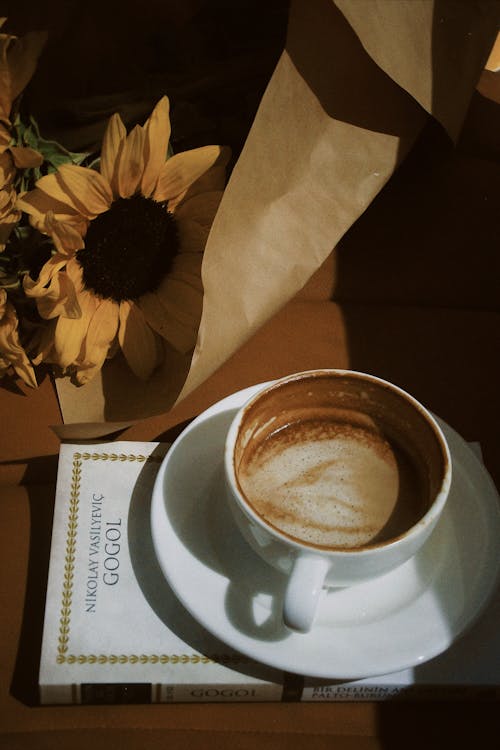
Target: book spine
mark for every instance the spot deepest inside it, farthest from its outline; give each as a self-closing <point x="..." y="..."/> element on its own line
<point x="292" y="690"/>
<point x="100" y="693"/>
<point x="401" y="692"/>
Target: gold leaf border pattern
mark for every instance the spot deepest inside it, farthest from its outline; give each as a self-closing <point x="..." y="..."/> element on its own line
<point x="116" y="457"/>
<point x="69" y="558"/>
<point x="149" y="659"/>
<point x="63" y="657"/>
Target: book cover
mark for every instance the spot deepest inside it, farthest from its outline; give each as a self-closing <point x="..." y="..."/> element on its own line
<point x="114" y="632"/>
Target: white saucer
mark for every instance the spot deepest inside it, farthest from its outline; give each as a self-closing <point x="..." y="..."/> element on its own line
<point x="397" y="621"/>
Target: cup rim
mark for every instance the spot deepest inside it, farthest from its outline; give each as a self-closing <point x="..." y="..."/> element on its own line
<point x="429" y="517"/>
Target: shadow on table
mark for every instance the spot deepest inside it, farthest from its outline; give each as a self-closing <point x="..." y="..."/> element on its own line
<point x="24" y="684"/>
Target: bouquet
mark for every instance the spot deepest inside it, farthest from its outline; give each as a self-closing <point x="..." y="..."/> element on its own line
<point x="149" y="262"/>
<point x="101" y="252"/>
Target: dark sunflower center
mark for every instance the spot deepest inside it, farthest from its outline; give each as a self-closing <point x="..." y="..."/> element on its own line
<point x="129" y="248"/>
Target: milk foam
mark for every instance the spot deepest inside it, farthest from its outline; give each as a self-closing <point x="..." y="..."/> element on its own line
<point x="326" y="484"/>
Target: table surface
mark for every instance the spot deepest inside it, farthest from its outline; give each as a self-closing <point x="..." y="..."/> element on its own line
<point x="434" y="334"/>
<point x="447" y="358"/>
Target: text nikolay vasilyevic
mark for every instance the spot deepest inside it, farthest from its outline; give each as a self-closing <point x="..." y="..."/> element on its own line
<point x="105" y="540"/>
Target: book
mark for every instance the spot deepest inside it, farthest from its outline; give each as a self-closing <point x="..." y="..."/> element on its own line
<point x="114" y="632"/>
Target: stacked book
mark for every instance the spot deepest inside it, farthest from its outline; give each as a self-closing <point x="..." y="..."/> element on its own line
<point x="115" y="632"/>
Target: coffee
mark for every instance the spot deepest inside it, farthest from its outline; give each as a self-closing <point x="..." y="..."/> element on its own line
<point x="332" y="484"/>
<point x="321" y="470"/>
<point x="334" y="477"/>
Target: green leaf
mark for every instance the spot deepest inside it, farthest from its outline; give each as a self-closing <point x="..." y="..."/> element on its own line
<point x="54" y="153"/>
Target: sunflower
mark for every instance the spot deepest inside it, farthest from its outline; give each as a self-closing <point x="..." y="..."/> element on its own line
<point x="12" y="354"/>
<point x="129" y="240"/>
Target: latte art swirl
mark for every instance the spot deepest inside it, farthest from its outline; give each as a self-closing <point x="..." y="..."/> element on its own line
<point x="332" y="483"/>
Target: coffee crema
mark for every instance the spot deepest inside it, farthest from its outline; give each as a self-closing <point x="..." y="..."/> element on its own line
<point x="332" y="478"/>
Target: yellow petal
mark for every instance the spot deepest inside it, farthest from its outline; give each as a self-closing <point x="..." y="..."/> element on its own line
<point x="91" y="191"/>
<point x="131" y="165"/>
<point x="61" y="299"/>
<point x="112" y="145"/>
<point x="25" y="157"/>
<point x="25" y="371"/>
<point x="200" y="208"/>
<point x="101" y="333"/>
<point x="188" y="264"/>
<point x="7" y="169"/>
<point x="84" y="373"/>
<point x="70" y="333"/>
<point x="66" y="238"/>
<point x="41" y="287"/>
<point x="185" y="297"/>
<point x="169" y="321"/>
<point x="174" y="309"/>
<point x="138" y="342"/>
<point x="74" y="271"/>
<point x="212" y="180"/>
<point x="157" y="136"/>
<point x="11" y="351"/>
<point x="37" y="203"/>
<point x="52" y="193"/>
<point x="44" y="345"/>
<point x="181" y="170"/>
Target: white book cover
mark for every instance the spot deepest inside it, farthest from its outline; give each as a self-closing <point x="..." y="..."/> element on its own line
<point x="114" y="631"/>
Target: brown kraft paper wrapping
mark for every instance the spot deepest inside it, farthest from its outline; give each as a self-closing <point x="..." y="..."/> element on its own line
<point x="351" y="92"/>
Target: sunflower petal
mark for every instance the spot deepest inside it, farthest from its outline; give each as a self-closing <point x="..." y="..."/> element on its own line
<point x="185" y="297"/>
<point x="25" y="371"/>
<point x="138" y="341"/>
<point x="12" y="353"/>
<point x="101" y="333"/>
<point x="192" y="237"/>
<point x="75" y="273"/>
<point x="37" y="203"/>
<point x="212" y="180"/>
<point x="200" y="208"/>
<point x="92" y="193"/>
<point x="44" y="346"/>
<point x="157" y="135"/>
<point x="70" y="334"/>
<point x="170" y="322"/>
<point x="60" y="300"/>
<point x="61" y="200"/>
<point x="7" y="168"/>
<point x="41" y="286"/>
<point x="66" y="238"/>
<point x="131" y="164"/>
<point x="25" y="157"/>
<point x="181" y="170"/>
<point x="112" y="145"/>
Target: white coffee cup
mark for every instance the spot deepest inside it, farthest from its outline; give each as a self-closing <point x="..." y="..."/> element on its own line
<point x="334" y="477"/>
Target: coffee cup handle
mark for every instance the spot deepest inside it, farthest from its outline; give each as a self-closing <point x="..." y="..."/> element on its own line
<point x="302" y="592"/>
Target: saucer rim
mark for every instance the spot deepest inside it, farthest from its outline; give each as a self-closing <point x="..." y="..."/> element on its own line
<point x="238" y="640"/>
